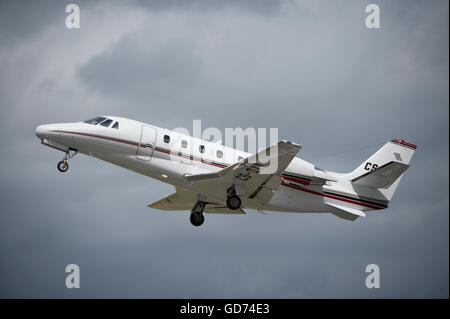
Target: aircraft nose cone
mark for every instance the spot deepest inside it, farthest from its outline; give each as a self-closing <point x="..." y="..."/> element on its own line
<point x="41" y="131"/>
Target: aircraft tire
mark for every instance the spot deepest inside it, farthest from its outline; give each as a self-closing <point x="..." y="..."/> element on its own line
<point x="63" y="166"/>
<point x="233" y="202"/>
<point x="197" y="219"/>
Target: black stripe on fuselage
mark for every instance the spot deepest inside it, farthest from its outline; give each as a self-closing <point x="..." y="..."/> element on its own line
<point x="362" y="200"/>
<point x="201" y="160"/>
<point x="349" y="199"/>
<point x="296" y="176"/>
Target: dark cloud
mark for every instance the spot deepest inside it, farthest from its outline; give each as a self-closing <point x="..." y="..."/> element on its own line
<point x="309" y="68"/>
<point x="20" y="19"/>
<point x="259" y="7"/>
<point x="155" y="72"/>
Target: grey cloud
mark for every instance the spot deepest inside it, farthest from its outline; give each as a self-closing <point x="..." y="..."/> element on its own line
<point x="260" y="7"/>
<point x="19" y="19"/>
<point x="23" y="19"/>
<point x="156" y="72"/>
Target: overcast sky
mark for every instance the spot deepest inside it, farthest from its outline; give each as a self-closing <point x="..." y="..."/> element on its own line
<point x="310" y="68"/>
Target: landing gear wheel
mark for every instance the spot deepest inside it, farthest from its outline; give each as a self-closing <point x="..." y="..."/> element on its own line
<point x="233" y="202"/>
<point x="63" y="166"/>
<point x="197" y="219"/>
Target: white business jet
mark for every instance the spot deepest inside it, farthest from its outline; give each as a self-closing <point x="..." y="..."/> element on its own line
<point x="212" y="178"/>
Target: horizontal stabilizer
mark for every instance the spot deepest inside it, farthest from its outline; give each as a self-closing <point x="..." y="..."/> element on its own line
<point x="346" y="212"/>
<point x="382" y="177"/>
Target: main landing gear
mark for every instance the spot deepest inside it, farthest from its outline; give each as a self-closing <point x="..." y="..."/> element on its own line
<point x="63" y="165"/>
<point x="233" y="202"/>
<point x="197" y="217"/>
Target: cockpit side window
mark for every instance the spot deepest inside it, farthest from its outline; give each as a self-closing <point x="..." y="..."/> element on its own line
<point x="106" y="123"/>
<point x="95" y="120"/>
<point x="116" y="125"/>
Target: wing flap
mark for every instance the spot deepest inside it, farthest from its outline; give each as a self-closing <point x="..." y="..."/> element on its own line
<point x="223" y="210"/>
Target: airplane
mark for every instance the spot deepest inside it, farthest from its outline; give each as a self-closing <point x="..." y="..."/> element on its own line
<point x="212" y="178"/>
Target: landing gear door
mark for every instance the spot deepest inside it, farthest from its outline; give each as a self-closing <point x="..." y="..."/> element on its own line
<point x="147" y="143"/>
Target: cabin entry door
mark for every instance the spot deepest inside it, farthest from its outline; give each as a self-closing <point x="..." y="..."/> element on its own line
<point x="147" y="143"/>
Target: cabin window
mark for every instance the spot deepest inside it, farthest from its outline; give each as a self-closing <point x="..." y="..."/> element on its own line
<point x="201" y="148"/>
<point x="240" y="158"/>
<point x="184" y="144"/>
<point x="116" y="125"/>
<point x="219" y="154"/>
<point x="95" y="120"/>
<point x="106" y="123"/>
<point x="166" y="139"/>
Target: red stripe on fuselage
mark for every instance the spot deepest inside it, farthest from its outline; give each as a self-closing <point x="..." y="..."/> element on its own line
<point x="296" y="180"/>
<point x="101" y="137"/>
<point x="143" y="146"/>
<point x="329" y="196"/>
<point x="190" y="157"/>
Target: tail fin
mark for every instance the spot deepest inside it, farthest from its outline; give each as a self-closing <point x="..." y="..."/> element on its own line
<point x="384" y="169"/>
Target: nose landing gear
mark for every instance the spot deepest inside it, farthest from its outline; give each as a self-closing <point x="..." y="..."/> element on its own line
<point x="197" y="217"/>
<point x="63" y="165"/>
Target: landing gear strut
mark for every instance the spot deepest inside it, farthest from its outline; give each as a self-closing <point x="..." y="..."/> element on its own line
<point x="63" y="165"/>
<point x="197" y="217"/>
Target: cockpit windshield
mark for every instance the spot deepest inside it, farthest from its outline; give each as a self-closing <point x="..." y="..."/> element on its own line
<point x="95" y="120"/>
<point x="106" y="123"/>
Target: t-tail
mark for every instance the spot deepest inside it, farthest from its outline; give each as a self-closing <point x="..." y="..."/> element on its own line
<point x="374" y="182"/>
<point x="383" y="171"/>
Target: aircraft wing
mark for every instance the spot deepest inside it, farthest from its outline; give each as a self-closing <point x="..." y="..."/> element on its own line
<point x="255" y="178"/>
<point x="212" y="209"/>
<point x="180" y="200"/>
<point x="185" y="200"/>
